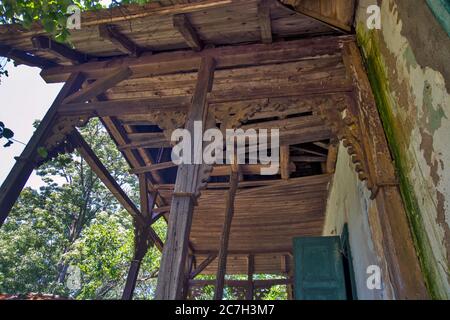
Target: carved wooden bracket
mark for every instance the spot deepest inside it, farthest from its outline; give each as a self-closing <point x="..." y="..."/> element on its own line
<point x="341" y="115"/>
<point x="57" y="143"/>
<point x="233" y="116"/>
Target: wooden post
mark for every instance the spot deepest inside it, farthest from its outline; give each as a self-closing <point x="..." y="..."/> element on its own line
<point x="229" y="211"/>
<point x="190" y="178"/>
<point x="250" y="271"/>
<point x="142" y="238"/>
<point x="18" y="176"/>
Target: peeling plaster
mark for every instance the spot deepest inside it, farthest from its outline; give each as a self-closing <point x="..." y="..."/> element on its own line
<point x="419" y="105"/>
<point x="349" y="202"/>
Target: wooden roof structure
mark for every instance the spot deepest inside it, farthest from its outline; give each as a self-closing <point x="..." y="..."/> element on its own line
<point x="147" y="70"/>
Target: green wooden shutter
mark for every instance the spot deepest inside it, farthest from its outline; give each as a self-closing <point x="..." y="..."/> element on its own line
<point x="319" y="271"/>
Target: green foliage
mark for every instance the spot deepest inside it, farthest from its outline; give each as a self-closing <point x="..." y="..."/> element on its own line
<point x="6" y="133"/>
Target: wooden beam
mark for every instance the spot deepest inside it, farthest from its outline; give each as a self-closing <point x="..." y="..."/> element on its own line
<point x="97" y="166"/>
<point x="229" y="212"/>
<point x="116" y="108"/>
<point x="23" y="57"/>
<point x="47" y="44"/>
<point x="264" y="20"/>
<point x="187" y="31"/>
<point x="189" y="180"/>
<point x="202" y="266"/>
<point x="99" y="86"/>
<point x="19" y="174"/>
<point x="225" y="57"/>
<point x="110" y="33"/>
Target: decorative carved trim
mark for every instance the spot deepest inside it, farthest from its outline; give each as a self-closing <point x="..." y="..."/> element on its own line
<point x="232" y="117"/>
<point x="168" y="121"/>
<point x="345" y="125"/>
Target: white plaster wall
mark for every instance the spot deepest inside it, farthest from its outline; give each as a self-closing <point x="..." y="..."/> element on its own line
<point x="420" y="104"/>
<point x="349" y="202"/>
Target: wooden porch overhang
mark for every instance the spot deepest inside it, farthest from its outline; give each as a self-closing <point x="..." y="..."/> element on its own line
<point x="209" y="62"/>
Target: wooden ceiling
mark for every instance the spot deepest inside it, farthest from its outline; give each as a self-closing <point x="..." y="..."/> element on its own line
<point x="286" y="84"/>
<point x="151" y="28"/>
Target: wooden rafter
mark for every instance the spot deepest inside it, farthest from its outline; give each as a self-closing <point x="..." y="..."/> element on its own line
<point x="265" y="22"/>
<point x="110" y="33"/>
<point x="183" y="25"/>
<point x="47" y="44"/>
<point x="23" y="57"/>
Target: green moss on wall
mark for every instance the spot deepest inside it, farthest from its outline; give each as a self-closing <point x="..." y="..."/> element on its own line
<point x="398" y="146"/>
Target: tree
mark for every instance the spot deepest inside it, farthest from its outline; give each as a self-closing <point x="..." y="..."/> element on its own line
<point x="44" y="224"/>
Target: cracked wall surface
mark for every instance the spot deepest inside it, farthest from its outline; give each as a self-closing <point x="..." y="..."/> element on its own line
<point x="408" y="63"/>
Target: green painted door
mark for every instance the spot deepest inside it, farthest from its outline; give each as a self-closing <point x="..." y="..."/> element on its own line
<point x="319" y="270"/>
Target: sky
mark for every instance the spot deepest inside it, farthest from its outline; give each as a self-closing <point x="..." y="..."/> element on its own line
<point x="24" y="98"/>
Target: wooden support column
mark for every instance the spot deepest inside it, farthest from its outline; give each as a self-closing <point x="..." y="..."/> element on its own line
<point x="142" y="238"/>
<point x="190" y="178"/>
<point x="229" y="212"/>
<point x="18" y="176"/>
<point x="402" y="262"/>
<point x="250" y="271"/>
